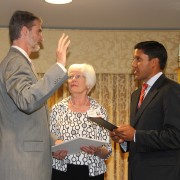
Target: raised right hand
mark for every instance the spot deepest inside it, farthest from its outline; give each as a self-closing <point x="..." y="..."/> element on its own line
<point x="62" y="49"/>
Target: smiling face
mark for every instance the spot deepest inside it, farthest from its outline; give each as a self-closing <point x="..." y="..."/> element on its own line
<point x="77" y="82"/>
<point x="143" y="67"/>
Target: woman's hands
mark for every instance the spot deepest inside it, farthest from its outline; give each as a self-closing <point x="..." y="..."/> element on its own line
<point x="61" y="154"/>
<point x="101" y="151"/>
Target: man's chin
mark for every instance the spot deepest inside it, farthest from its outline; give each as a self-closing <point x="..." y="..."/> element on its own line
<point x="136" y="77"/>
<point x="36" y="49"/>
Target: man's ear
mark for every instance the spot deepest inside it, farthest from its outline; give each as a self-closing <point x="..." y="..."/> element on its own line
<point x="155" y="63"/>
<point x="24" y="31"/>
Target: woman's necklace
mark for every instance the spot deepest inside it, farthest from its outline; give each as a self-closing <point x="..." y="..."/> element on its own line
<point x="77" y="107"/>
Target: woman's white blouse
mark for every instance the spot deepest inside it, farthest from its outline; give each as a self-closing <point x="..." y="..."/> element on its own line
<point x="67" y="125"/>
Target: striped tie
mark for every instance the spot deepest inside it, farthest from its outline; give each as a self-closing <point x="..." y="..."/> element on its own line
<point x="144" y="87"/>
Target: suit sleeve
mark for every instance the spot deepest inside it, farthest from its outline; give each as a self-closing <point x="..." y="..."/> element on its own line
<point x="22" y="86"/>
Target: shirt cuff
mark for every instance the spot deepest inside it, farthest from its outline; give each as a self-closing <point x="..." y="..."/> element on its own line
<point x="124" y="146"/>
<point x="135" y="136"/>
<point x="62" y="67"/>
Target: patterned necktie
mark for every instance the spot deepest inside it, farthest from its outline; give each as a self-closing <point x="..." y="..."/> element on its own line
<point x="144" y="87"/>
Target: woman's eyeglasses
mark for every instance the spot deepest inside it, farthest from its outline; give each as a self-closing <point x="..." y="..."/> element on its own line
<point x="77" y="76"/>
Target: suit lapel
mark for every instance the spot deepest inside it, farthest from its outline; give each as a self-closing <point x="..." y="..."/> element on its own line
<point x="134" y="103"/>
<point x="136" y="113"/>
<point x="33" y="69"/>
<point x="149" y="97"/>
<point x="31" y="64"/>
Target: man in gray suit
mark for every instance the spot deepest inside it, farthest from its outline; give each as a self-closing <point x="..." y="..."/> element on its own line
<point x="25" y="145"/>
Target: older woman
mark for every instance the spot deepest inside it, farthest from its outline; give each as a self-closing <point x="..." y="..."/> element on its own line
<point x="69" y="120"/>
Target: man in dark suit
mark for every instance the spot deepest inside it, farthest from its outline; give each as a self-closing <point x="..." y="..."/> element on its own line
<point x="153" y="136"/>
<point x="25" y="144"/>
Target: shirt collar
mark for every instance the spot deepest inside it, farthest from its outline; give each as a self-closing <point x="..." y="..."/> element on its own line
<point x="151" y="81"/>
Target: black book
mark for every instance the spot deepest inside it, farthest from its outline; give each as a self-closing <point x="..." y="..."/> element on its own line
<point x="101" y="122"/>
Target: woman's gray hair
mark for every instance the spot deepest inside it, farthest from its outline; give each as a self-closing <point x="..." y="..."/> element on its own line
<point x="87" y="71"/>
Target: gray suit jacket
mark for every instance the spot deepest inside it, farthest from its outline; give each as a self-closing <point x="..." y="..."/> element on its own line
<point x="25" y="152"/>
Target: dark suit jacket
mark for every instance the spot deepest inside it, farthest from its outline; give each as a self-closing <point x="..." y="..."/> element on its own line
<point x="25" y="149"/>
<point x="156" y="153"/>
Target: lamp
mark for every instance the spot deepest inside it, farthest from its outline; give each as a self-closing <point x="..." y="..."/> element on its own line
<point x="58" y="1"/>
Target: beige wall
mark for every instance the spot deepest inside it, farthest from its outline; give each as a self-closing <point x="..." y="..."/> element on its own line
<point x="109" y="51"/>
